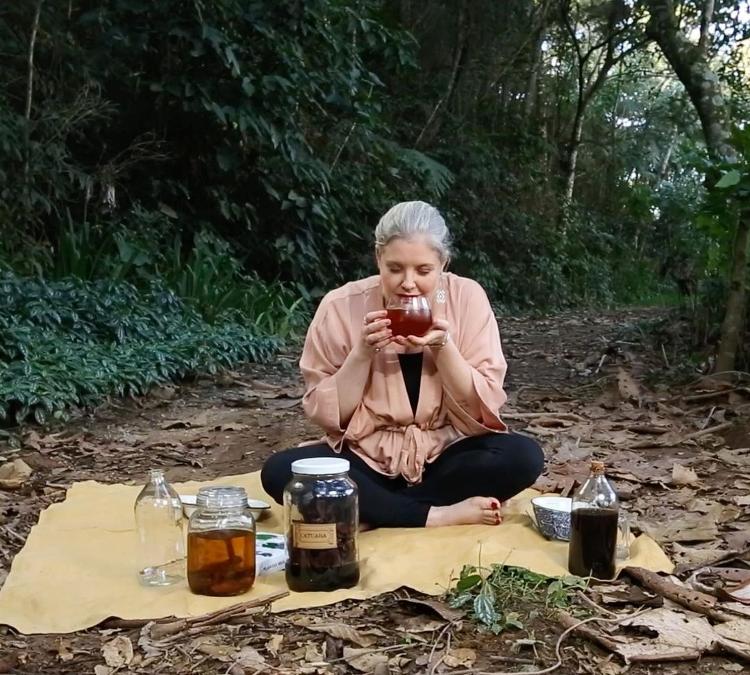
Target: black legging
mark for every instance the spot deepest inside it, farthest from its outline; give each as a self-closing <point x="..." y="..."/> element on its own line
<point x="493" y="465"/>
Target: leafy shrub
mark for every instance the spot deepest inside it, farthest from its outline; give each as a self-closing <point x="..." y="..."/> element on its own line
<point x="144" y="249"/>
<point x="494" y="596"/>
<point x="73" y="343"/>
<point x="210" y="278"/>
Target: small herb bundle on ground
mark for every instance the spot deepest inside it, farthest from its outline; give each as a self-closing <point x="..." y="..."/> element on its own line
<point x="74" y="343"/>
<point x="502" y="596"/>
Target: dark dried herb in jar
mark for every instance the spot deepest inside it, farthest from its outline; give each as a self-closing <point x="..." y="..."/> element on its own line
<point x="322" y="521"/>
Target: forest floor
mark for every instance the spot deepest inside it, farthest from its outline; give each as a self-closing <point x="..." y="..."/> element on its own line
<point x="580" y="382"/>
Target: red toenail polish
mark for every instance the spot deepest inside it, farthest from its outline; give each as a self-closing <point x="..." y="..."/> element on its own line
<point x="495" y="506"/>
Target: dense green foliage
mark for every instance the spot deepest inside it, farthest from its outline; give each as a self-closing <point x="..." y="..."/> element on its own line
<point x="287" y="128"/>
<point x="503" y="597"/>
<point x="240" y="152"/>
<point x="72" y="343"/>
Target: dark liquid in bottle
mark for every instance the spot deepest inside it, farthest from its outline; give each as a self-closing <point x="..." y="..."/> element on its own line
<point x="407" y="322"/>
<point x="221" y="562"/>
<point x="593" y="541"/>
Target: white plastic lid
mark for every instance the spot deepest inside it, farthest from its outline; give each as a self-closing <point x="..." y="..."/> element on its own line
<point x="320" y="466"/>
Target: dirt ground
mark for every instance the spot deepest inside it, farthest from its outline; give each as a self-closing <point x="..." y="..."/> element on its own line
<point x="581" y="383"/>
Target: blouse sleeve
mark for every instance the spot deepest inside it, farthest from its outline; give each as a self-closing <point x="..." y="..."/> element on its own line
<point x="326" y="347"/>
<point x="479" y="344"/>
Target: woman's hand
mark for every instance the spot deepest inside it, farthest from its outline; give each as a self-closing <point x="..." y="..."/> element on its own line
<point x="436" y="336"/>
<point x="376" y="332"/>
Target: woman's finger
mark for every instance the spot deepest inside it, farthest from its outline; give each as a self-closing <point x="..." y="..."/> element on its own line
<point x="383" y="343"/>
<point x="379" y="335"/>
<point x="375" y="326"/>
<point x="374" y="316"/>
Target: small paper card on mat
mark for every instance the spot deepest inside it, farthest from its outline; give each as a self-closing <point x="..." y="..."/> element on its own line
<point x="270" y="553"/>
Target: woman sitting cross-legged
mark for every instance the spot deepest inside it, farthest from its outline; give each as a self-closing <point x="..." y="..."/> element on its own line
<point x="417" y="417"/>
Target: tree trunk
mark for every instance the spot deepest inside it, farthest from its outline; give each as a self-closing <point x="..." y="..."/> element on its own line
<point x="434" y="122"/>
<point x="590" y="79"/>
<point x="532" y="84"/>
<point x="571" y="158"/>
<point x="29" y="99"/>
<point x="733" y="325"/>
<point x="691" y="66"/>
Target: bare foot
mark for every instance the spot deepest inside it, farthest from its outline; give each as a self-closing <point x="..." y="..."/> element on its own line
<point x="471" y="511"/>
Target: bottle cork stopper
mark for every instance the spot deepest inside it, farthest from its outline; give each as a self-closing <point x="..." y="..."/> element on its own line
<point x="597" y="468"/>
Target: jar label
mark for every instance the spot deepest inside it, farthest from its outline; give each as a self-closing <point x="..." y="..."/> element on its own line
<point x="318" y="536"/>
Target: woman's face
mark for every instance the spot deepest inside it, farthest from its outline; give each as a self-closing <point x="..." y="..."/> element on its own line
<point x="409" y="267"/>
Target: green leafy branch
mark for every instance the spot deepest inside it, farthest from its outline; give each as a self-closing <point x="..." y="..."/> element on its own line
<point x="489" y="594"/>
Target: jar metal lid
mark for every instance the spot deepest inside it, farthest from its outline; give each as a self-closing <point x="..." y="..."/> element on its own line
<point x="320" y="466"/>
<point x="222" y="497"/>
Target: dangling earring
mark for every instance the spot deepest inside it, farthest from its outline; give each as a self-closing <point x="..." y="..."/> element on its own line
<point x="441" y="295"/>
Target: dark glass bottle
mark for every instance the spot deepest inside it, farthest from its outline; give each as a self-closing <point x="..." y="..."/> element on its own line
<point x="593" y="527"/>
<point x="322" y="518"/>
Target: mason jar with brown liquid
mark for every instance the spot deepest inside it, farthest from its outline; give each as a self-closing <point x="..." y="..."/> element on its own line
<point x="321" y="513"/>
<point x="221" y="543"/>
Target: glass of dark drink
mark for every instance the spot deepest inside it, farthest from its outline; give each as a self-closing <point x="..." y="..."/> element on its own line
<point x="409" y="315"/>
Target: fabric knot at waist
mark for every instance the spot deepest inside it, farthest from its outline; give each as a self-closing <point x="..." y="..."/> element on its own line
<point x="409" y="462"/>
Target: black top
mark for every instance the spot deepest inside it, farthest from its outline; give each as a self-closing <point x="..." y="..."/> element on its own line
<point x="411" y="369"/>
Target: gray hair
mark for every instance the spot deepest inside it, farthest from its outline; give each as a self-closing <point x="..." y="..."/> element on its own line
<point x="412" y="219"/>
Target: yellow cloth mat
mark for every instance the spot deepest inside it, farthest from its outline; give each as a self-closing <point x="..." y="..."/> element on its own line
<point x="77" y="567"/>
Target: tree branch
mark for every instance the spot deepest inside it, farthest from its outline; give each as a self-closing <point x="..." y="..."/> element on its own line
<point x="706" y="17"/>
<point x="30" y="60"/>
<point x="457" y="59"/>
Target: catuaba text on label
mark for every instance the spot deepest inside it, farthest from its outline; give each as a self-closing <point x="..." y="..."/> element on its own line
<point x="314" y="536"/>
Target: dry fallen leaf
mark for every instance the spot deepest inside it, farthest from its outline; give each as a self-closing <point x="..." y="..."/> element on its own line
<point x="313" y="653"/>
<point x="99" y="669"/>
<point x="693" y="555"/>
<point x="364" y="660"/>
<point x="676" y="629"/>
<point x="274" y="643"/>
<point x="737" y="540"/>
<point x="683" y="475"/>
<point x="461" y="657"/>
<point x="118" y="652"/>
<point x="63" y="651"/>
<point x="739" y="593"/>
<point x="736" y="456"/>
<point x="248" y="657"/>
<point x="341" y="631"/>
<point x="213" y="646"/>
<point x="440" y="608"/>
<point x="737" y="630"/>
<point x="420" y="624"/>
<point x="686" y="527"/>
<point x="628" y="387"/>
<point x="14" y="474"/>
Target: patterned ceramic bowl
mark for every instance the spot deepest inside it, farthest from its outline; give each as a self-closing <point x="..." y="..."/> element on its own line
<point x="552" y="515"/>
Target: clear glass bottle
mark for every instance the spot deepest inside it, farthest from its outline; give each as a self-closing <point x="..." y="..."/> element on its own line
<point x="161" y="539"/>
<point x="221" y="543"/>
<point x="321" y="513"/>
<point x="594" y="527"/>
